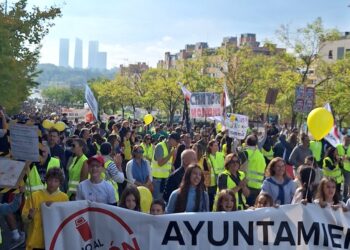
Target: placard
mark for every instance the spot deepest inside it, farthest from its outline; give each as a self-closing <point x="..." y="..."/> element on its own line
<point x="24" y="142"/>
<point x="11" y="173"/>
<point x="91" y="101"/>
<point x="204" y="105"/>
<point x="237" y="125"/>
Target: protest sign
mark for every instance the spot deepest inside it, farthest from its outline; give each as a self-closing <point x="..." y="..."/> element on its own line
<point x="11" y="173"/>
<point x="304" y="99"/>
<point x="91" y="101"/>
<point x="204" y="105"/>
<point x="24" y="142"/>
<point x="86" y="225"/>
<point x="237" y="125"/>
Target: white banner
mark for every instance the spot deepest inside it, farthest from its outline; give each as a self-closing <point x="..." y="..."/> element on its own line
<point x="91" y="101"/>
<point x="334" y="137"/>
<point x="237" y="125"/>
<point x="204" y="105"/>
<point x="85" y="225"/>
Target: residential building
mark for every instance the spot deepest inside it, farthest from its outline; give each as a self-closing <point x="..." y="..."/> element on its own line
<point x="133" y="69"/>
<point x="64" y="53"/>
<point x="335" y="50"/>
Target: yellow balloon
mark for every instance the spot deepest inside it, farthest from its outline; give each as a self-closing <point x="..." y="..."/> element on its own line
<point x="47" y="124"/>
<point x="146" y="199"/>
<point x="320" y="122"/>
<point x="60" y="126"/>
<point x="148" y="119"/>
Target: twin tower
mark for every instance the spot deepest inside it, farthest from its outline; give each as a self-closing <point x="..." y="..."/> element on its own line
<point x="96" y="59"/>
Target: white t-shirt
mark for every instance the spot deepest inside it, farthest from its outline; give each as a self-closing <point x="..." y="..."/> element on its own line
<point x="102" y="192"/>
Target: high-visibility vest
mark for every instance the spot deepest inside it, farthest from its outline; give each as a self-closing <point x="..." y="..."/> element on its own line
<point x="316" y="149"/>
<point x="342" y="152"/>
<point x="162" y="172"/>
<point x="74" y="171"/>
<point x="336" y="173"/>
<point x="127" y="150"/>
<point x="113" y="183"/>
<point x="217" y="164"/>
<point x="224" y="149"/>
<point x="34" y="181"/>
<point x="148" y="151"/>
<point x="240" y="201"/>
<point x="267" y="154"/>
<point x="255" y="169"/>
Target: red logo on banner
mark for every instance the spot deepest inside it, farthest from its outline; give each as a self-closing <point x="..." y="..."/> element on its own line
<point x="89" y="236"/>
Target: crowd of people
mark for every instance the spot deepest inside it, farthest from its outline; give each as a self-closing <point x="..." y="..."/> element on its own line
<point x="198" y="171"/>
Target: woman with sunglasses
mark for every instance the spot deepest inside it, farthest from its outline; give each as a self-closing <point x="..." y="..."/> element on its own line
<point x="234" y="179"/>
<point x="138" y="170"/>
<point x="147" y="147"/>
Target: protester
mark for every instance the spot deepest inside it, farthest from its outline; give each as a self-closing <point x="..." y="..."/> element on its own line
<point x="311" y="161"/>
<point x="6" y="208"/>
<point x="300" y="152"/>
<point x="188" y="157"/>
<point x="162" y="163"/>
<point x="277" y="184"/>
<point x="191" y="196"/>
<point x="327" y="196"/>
<point x="95" y="188"/>
<point x="306" y="192"/>
<point x="138" y="170"/>
<point x="56" y="150"/>
<point x="147" y="147"/>
<point x="130" y="198"/>
<point x="32" y="207"/>
<point x="78" y="169"/>
<point x="85" y="135"/>
<point x="264" y="200"/>
<point x="332" y="166"/>
<point x="157" y="207"/>
<point x="344" y="154"/>
<point x="185" y="144"/>
<point x="226" y="201"/>
<point x="234" y="179"/>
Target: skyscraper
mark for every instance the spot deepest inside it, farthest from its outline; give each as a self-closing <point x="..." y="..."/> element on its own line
<point x="93" y="54"/>
<point x="78" y="55"/>
<point x="102" y="60"/>
<point x="64" y="53"/>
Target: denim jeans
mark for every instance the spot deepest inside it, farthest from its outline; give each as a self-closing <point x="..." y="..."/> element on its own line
<point x="158" y="188"/>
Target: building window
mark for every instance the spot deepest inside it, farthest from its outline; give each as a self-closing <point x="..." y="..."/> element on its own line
<point x="340" y="52"/>
<point x="330" y="54"/>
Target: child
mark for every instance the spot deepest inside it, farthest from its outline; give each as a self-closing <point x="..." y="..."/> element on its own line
<point x="263" y="200"/>
<point x="305" y="193"/>
<point x="327" y="195"/>
<point x="226" y="201"/>
<point x="130" y="199"/>
<point x="32" y="207"/>
<point x="157" y="207"/>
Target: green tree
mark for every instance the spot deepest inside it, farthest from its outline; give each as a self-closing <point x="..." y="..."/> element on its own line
<point x="21" y="32"/>
<point x="64" y="96"/>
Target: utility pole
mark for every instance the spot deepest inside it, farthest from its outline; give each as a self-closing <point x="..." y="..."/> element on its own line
<point x="5" y="7"/>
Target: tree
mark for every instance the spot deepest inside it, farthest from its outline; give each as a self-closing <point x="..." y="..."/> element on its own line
<point x="64" y="96"/>
<point x="21" y="32"/>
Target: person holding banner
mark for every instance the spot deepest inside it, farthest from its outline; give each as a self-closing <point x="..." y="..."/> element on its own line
<point x="191" y="196"/>
<point x="234" y="179"/>
<point x="32" y="207"/>
<point x="278" y="184"/>
<point x="130" y="198"/>
<point x="226" y="201"/>
<point x="327" y="194"/>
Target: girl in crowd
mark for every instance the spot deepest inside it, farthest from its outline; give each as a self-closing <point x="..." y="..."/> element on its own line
<point x="216" y="161"/>
<point x="305" y="193"/>
<point x="311" y="161"/>
<point x="191" y="196"/>
<point x="95" y="188"/>
<point x="234" y="179"/>
<point x="278" y="184"/>
<point x="327" y="196"/>
<point x="130" y="198"/>
<point x="226" y="201"/>
<point x="157" y="207"/>
<point x="264" y="200"/>
<point x="202" y="162"/>
<point x="114" y="140"/>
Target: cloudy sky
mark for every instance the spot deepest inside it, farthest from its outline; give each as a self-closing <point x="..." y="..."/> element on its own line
<point x="143" y="30"/>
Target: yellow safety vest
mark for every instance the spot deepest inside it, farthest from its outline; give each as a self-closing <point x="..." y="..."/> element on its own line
<point x="316" y="149"/>
<point x="336" y="173"/>
<point x="255" y="169"/>
<point x="113" y="183"/>
<point x="127" y="150"/>
<point x="240" y="203"/>
<point x="148" y="151"/>
<point x="217" y="164"/>
<point x="34" y="181"/>
<point x="224" y="149"/>
<point x="342" y="152"/>
<point x="267" y="154"/>
<point x="162" y="172"/>
<point x="74" y="171"/>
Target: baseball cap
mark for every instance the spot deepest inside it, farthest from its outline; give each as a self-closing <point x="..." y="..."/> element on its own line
<point x="97" y="158"/>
